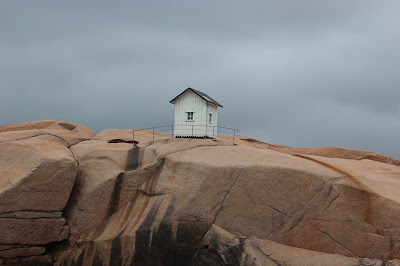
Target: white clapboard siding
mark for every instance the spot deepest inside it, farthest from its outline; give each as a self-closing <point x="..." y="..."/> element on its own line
<point x="190" y="102"/>
<point x="212" y="126"/>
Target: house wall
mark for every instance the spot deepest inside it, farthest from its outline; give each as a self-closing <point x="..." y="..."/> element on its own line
<point x="212" y="126"/>
<point x="190" y="102"/>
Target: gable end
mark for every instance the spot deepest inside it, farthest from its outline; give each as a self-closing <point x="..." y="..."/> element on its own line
<point x="204" y="96"/>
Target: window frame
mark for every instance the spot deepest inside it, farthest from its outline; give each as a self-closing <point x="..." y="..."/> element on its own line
<point x="188" y="118"/>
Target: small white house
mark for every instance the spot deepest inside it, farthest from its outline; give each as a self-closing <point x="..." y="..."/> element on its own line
<point x="196" y="115"/>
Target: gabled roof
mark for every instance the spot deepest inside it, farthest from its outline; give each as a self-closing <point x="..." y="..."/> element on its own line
<point x="201" y="94"/>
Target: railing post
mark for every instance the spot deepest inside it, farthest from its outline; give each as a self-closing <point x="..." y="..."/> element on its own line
<point x="153" y="133"/>
<point x="133" y="137"/>
<point x="172" y="131"/>
<point x="234" y="135"/>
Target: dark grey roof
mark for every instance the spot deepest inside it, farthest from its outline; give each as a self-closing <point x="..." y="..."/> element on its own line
<point x="202" y="95"/>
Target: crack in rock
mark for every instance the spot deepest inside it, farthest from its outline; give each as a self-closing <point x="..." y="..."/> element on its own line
<point x="327" y="234"/>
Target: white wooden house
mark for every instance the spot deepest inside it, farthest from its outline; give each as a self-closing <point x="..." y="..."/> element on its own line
<point x="196" y="114"/>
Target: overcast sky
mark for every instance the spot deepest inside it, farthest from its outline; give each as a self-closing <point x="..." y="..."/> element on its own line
<point x="297" y="73"/>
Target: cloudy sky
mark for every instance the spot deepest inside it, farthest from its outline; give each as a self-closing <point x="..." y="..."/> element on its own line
<point x="298" y="73"/>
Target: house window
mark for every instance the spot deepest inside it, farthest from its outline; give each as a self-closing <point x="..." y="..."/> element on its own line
<point x="189" y="116"/>
<point x="209" y="118"/>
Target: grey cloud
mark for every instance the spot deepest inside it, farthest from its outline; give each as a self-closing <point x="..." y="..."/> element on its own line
<point x="300" y="73"/>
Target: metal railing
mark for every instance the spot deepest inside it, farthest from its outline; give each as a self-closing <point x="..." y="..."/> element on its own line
<point x="186" y="131"/>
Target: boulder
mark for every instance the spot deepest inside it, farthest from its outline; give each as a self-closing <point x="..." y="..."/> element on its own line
<point x="37" y="174"/>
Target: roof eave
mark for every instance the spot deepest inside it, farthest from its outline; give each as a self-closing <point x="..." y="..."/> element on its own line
<point x="194" y="91"/>
<point x="180" y="95"/>
<point x="214" y="104"/>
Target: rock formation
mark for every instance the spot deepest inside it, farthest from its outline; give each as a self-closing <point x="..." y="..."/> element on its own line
<point x="37" y="174"/>
<point x="69" y="196"/>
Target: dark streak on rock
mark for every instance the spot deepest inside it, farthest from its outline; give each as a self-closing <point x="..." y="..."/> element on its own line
<point x="151" y="182"/>
<point x="116" y="249"/>
<point x="369" y="215"/>
<point x="158" y="247"/>
<point x="162" y="248"/>
<point x="170" y="209"/>
<point x="115" y="256"/>
<point x="80" y="258"/>
<point x="142" y="236"/>
<point x="132" y="162"/>
<point x="114" y="200"/>
<point x="96" y="259"/>
<point x="190" y="233"/>
<point x="204" y="256"/>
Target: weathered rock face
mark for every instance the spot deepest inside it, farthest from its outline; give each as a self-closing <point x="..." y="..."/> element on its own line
<point x="304" y="202"/>
<point x="196" y="202"/>
<point x="37" y="174"/>
<point x="330" y="152"/>
<point x="224" y="248"/>
<point x="69" y="133"/>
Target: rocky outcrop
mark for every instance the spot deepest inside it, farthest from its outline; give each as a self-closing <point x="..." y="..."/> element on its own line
<point x="330" y="152"/>
<point x="219" y="247"/>
<point x="333" y="206"/>
<point x="67" y="132"/>
<point x="111" y="175"/>
<point x="37" y="173"/>
<point x="197" y="202"/>
<point x="333" y="152"/>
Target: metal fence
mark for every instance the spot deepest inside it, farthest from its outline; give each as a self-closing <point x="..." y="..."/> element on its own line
<point x="186" y="131"/>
